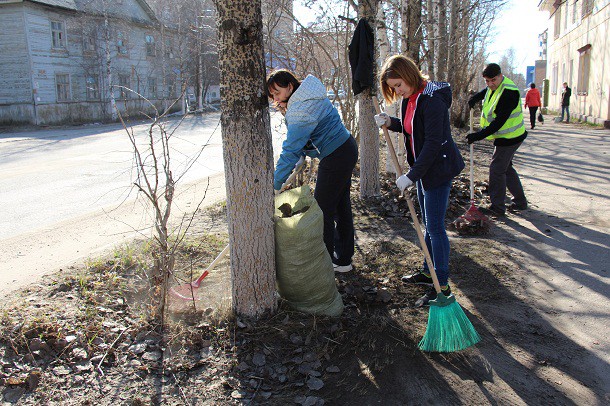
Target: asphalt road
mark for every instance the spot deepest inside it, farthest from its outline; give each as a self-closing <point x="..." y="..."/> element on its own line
<point x="67" y="193"/>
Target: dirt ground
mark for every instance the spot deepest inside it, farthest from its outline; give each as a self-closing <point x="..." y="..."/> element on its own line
<point x="84" y="338"/>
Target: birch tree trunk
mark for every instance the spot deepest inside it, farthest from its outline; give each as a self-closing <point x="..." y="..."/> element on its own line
<point x="442" y="48"/>
<point x="382" y="34"/>
<point x="453" y="42"/>
<point x="411" y="21"/>
<point x="248" y="156"/>
<point x="369" y="132"/>
<point x="384" y="52"/>
<point x="430" y="30"/>
<point x="108" y="63"/>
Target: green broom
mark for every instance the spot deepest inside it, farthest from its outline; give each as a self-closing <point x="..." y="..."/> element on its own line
<point x="448" y="328"/>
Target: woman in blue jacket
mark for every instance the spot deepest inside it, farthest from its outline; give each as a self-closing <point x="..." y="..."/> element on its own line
<point x="315" y="129"/>
<point x="433" y="157"/>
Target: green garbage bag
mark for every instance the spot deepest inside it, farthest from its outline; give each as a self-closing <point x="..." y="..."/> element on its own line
<point x="305" y="275"/>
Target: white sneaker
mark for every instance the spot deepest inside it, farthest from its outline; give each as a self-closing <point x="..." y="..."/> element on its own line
<point x="342" y="268"/>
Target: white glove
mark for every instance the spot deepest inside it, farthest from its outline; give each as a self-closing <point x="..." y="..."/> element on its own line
<point x="403" y="182"/>
<point x="299" y="164"/>
<point x="276" y="192"/>
<point x="382" y="119"/>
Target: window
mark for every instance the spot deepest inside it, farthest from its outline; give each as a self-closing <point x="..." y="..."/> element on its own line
<point x="150" y="46"/>
<point x="171" y="89"/>
<point x="89" y="41"/>
<point x="584" y="63"/>
<point x="62" y="85"/>
<point x="566" y="15"/>
<point x="557" y="22"/>
<point x="121" y="43"/>
<point x="58" y="34"/>
<point x="124" y="86"/>
<point x="168" y="48"/>
<point x="93" y="87"/>
<point x="152" y="87"/>
<point x="554" y="78"/>
<point x="575" y="12"/>
<point x="587" y="7"/>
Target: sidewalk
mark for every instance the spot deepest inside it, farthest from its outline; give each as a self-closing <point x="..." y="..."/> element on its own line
<point x="562" y="239"/>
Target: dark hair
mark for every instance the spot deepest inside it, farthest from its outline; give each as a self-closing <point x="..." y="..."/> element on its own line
<point x="492" y="70"/>
<point x="532" y="85"/>
<point x="282" y="78"/>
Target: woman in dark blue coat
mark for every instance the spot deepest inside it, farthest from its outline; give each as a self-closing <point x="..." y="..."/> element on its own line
<point x="433" y="157"/>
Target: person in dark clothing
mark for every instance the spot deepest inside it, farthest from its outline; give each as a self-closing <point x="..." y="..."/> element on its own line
<point x="565" y="102"/>
<point x="532" y="101"/>
<point x="433" y="157"/>
<point x="501" y="121"/>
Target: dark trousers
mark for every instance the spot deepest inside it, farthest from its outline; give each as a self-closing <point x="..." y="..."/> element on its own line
<point x="332" y="194"/>
<point x="533" y="110"/>
<point x="566" y="110"/>
<point x="502" y="175"/>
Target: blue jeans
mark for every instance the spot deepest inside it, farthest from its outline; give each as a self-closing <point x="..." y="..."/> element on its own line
<point x="433" y="204"/>
<point x="565" y="109"/>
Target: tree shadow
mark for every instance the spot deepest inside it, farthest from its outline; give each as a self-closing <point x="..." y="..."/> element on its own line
<point x="509" y="366"/>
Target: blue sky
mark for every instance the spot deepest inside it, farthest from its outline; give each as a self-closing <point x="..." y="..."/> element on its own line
<point x="518" y="26"/>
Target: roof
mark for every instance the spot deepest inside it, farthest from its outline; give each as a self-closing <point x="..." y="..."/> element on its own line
<point x="96" y="7"/>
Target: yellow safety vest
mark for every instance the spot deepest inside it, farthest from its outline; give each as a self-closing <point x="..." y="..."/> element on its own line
<point x="514" y="126"/>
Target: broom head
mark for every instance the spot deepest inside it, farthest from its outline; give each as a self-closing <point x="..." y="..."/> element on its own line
<point x="448" y="328"/>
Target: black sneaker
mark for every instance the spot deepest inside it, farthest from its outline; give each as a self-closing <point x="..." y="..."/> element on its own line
<point x="430" y="295"/>
<point x="516" y="207"/>
<point x="492" y="211"/>
<point x="417" y="278"/>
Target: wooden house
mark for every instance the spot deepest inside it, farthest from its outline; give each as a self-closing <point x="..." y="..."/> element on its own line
<point x="71" y="61"/>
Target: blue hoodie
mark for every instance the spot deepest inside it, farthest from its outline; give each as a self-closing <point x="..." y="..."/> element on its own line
<point x="314" y="128"/>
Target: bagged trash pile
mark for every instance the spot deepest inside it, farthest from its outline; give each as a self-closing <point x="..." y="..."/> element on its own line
<point x="305" y="275"/>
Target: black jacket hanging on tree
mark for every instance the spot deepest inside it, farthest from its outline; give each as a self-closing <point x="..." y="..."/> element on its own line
<point x="362" y="57"/>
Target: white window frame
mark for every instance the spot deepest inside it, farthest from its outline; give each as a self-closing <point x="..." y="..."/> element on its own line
<point x="90" y="41"/>
<point x="124" y="93"/>
<point x="92" y="84"/>
<point x="151" y="49"/>
<point x="62" y="88"/>
<point x="575" y="12"/>
<point x="584" y="68"/>
<point x="554" y="78"/>
<point x="58" y="34"/>
<point x="169" y="48"/>
<point x="557" y="22"/>
<point x="121" y="43"/>
<point x="152" y="88"/>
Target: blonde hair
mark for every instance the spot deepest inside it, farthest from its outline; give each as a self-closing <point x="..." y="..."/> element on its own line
<point x="399" y="67"/>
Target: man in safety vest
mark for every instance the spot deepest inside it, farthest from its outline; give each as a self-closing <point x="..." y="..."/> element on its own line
<point x="501" y="121"/>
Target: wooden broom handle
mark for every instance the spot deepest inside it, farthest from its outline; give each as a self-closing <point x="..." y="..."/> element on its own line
<point x="416" y="225"/>
<point x="471" y="160"/>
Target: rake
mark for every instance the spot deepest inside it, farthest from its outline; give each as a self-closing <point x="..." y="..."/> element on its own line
<point x="473" y="218"/>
